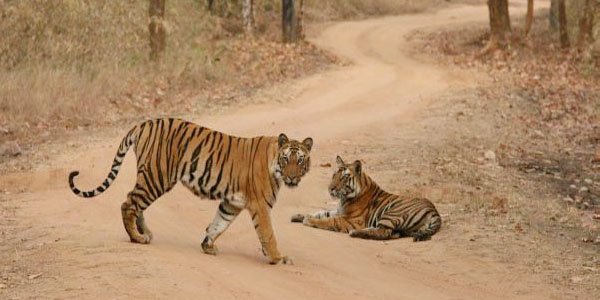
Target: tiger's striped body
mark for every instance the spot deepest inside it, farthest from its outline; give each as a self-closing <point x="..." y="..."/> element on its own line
<point x="367" y="211"/>
<point x="244" y="173"/>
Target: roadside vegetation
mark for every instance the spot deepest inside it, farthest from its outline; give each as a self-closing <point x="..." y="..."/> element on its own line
<point x="533" y="161"/>
<point x="76" y="64"/>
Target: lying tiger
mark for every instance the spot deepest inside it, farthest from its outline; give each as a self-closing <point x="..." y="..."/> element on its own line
<point x="243" y="173"/>
<point x="367" y="211"/>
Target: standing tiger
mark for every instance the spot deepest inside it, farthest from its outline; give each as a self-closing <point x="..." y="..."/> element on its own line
<point x="367" y="211"/>
<point x="244" y="173"/>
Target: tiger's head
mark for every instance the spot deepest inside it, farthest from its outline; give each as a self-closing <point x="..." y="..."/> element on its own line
<point x="293" y="160"/>
<point x="345" y="183"/>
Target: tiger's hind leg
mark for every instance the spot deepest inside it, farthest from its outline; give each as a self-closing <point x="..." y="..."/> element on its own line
<point x="141" y="226"/>
<point x="420" y="236"/>
<point x="375" y="233"/>
<point x="138" y="200"/>
<point x="133" y="219"/>
<point x="428" y="229"/>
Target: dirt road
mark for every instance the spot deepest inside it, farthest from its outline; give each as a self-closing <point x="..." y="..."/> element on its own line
<point x="86" y="253"/>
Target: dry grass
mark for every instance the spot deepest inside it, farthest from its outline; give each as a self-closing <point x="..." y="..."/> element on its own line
<point x="539" y="114"/>
<point x="62" y="62"/>
<point x="344" y="9"/>
<point x="71" y="63"/>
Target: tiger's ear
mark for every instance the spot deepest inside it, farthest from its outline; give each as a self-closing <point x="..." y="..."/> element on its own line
<point x="282" y="139"/>
<point x="308" y="143"/>
<point x="339" y="161"/>
<point x="357" y="167"/>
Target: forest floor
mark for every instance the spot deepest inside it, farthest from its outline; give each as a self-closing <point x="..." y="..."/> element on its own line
<point x="425" y="121"/>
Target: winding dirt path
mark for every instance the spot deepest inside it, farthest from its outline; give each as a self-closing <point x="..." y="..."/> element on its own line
<point x="88" y="255"/>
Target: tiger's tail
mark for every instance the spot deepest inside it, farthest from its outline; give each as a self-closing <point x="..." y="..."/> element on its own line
<point x="425" y="233"/>
<point x="126" y="143"/>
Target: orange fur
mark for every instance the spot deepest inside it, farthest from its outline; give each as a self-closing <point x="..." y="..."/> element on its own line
<point x="243" y="173"/>
<point x="367" y="211"/>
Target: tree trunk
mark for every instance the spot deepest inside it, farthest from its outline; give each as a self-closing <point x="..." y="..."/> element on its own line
<point x="562" y="24"/>
<point x="288" y="21"/>
<point x="499" y="25"/>
<point x="300" y="20"/>
<point x="156" y="27"/>
<point x="528" y="17"/>
<point x="248" y="16"/>
<point x="210" y="5"/>
<point x="586" y="25"/>
<point x="553" y="15"/>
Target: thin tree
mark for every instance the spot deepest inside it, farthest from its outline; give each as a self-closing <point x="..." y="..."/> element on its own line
<point x="248" y="16"/>
<point x="586" y="24"/>
<point x="210" y="5"/>
<point x="156" y="28"/>
<point x="300" y="20"/>
<point x="553" y="15"/>
<point x="528" y="17"/>
<point x="288" y="21"/>
<point x="499" y="25"/>
<point x="562" y="24"/>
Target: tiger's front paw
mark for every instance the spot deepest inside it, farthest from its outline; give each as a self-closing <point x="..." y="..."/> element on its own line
<point x="284" y="259"/>
<point x="298" y="218"/>
<point x="308" y="221"/>
<point x="209" y="247"/>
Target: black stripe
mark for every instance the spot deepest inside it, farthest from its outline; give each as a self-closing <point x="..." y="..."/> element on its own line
<point x="206" y="173"/>
<point x="138" y="192"/>
<point x="214" y="187"/>
<point x="409" y="221"/>
<point x="141" y="126"/>
<point x="224" y="211"/>
<point x="149" y="187"/>
<point x="254" y="214"/>
<point x="116" y="163"/>
<point x="159" y="154"/>
<point x="138" y="197"/>
<point x="148" y="138"/>
<point x="189" y="137"/>
<point x="183" y="169"/>
<point x="215" y="134"/>
<point x="154" y="184"/>
<point x="181" y="148"/>
<point x="194" y="158"/>
<point x="168" y="147"/>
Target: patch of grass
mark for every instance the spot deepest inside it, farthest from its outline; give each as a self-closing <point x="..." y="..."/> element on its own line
<point x="72" y="63"/>
<point x="346" y="9"/>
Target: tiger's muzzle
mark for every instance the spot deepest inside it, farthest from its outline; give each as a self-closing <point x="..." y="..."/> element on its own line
<point x="341" y="193"/>
<point x="291" y="181"/>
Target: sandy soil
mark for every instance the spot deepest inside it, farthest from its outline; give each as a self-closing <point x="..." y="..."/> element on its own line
<point x="81" y="250"/>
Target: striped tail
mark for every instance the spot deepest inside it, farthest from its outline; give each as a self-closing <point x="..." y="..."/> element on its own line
<point x="127" y="141"/>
